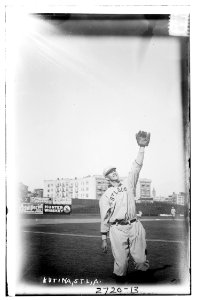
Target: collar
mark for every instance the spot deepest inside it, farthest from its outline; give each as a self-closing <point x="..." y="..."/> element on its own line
<point x="111" y="185"/>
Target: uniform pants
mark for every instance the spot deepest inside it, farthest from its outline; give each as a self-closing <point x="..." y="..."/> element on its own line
<point x="125" y="240"/>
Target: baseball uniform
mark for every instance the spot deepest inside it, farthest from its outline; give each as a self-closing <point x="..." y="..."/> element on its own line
<point x="173" y="212"/>
<point x="118" y="217"/>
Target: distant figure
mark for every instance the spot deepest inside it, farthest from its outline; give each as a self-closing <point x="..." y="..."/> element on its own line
<point x="173" y="212"/>
<point x="139" y="214"/>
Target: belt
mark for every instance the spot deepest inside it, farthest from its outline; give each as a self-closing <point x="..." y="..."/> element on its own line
<point x="123" y="222"/>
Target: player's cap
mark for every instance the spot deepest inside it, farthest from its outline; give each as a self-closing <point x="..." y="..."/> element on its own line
<point x="107" y="170"/>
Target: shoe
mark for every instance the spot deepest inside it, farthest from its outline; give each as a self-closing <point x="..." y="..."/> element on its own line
<point x="120" y="279"/>
<point x="142" y="266"/>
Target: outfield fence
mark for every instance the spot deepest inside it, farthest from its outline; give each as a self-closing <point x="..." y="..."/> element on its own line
<point x="91" y="207"/>
<point x="88" y="206"/>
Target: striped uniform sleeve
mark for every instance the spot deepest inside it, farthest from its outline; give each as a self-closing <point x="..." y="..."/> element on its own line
<point x="135" y="169"/>
<point x="105" y="211"/>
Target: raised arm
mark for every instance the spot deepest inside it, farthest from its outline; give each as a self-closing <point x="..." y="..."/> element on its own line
<point x="143" y="139"/>
<point x="140" y="156"/>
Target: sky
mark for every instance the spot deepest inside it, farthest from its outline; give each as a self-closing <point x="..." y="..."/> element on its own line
<point x="78" y="101"/>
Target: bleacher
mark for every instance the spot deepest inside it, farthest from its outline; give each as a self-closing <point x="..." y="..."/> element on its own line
<point x="88" y="206"/>
<point x="157" y="207"/>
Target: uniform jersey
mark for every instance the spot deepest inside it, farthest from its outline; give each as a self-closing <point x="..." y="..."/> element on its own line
<point x="118" y="203"/>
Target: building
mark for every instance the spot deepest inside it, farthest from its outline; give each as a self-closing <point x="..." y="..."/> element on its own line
<point x="143" y="190"/>
<point x="172" y="198"/>
<point x="59" y="190"/>
<point x="154" y="193"/>
<point x="160" y="198"/>
<point x="84" y="188"/>
<point x="181" y="198"/>
<point x="101" y="186"/>
<point x="89" y="187"/>
<point x="49" y="188"/>
<point x="38" y="193"/>
<point x="64" y="189"/>
<point x="23" y="192"/>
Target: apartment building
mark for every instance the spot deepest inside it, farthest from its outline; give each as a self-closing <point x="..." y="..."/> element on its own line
<point x="143" y="190"/>
<point x="60" y="190"/>
<point x="49" y="188"/>
<point x="89" y="187"/>
<point x="181" y="198"/>
<point x="64" y="189"/>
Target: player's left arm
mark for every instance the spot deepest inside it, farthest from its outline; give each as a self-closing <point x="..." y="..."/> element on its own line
<point x="105" y="211"/>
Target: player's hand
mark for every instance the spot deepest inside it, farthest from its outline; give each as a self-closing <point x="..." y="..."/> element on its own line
<point x="104" y="246"/>
<point x="143" y="138"/>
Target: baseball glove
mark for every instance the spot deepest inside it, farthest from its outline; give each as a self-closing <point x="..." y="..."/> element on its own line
<point x="143" y="138"/>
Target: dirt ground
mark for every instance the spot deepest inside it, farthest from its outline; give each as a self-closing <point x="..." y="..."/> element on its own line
<point x="56" y="250"/>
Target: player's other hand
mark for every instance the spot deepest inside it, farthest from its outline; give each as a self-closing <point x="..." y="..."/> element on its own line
<point x="104" y="246"/>
<point x="143" y="138"/>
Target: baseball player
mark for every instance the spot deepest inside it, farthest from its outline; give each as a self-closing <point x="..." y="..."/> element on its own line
<point x="118" y="216"/>
<point x="173" y="212"/>
<point x="139" y="214"/>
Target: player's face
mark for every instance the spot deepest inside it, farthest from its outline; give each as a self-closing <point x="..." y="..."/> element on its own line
<point x="113" y="175"/>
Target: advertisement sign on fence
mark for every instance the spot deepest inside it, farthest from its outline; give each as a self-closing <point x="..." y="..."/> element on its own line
<point x="30" y="208"/>
<point x="55" y="208"/>
<point x="41" y="200"/>
<point x="63" y="201"/>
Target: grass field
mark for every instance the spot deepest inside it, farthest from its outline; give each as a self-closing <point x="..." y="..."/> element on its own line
<point x="57" y="248"/>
